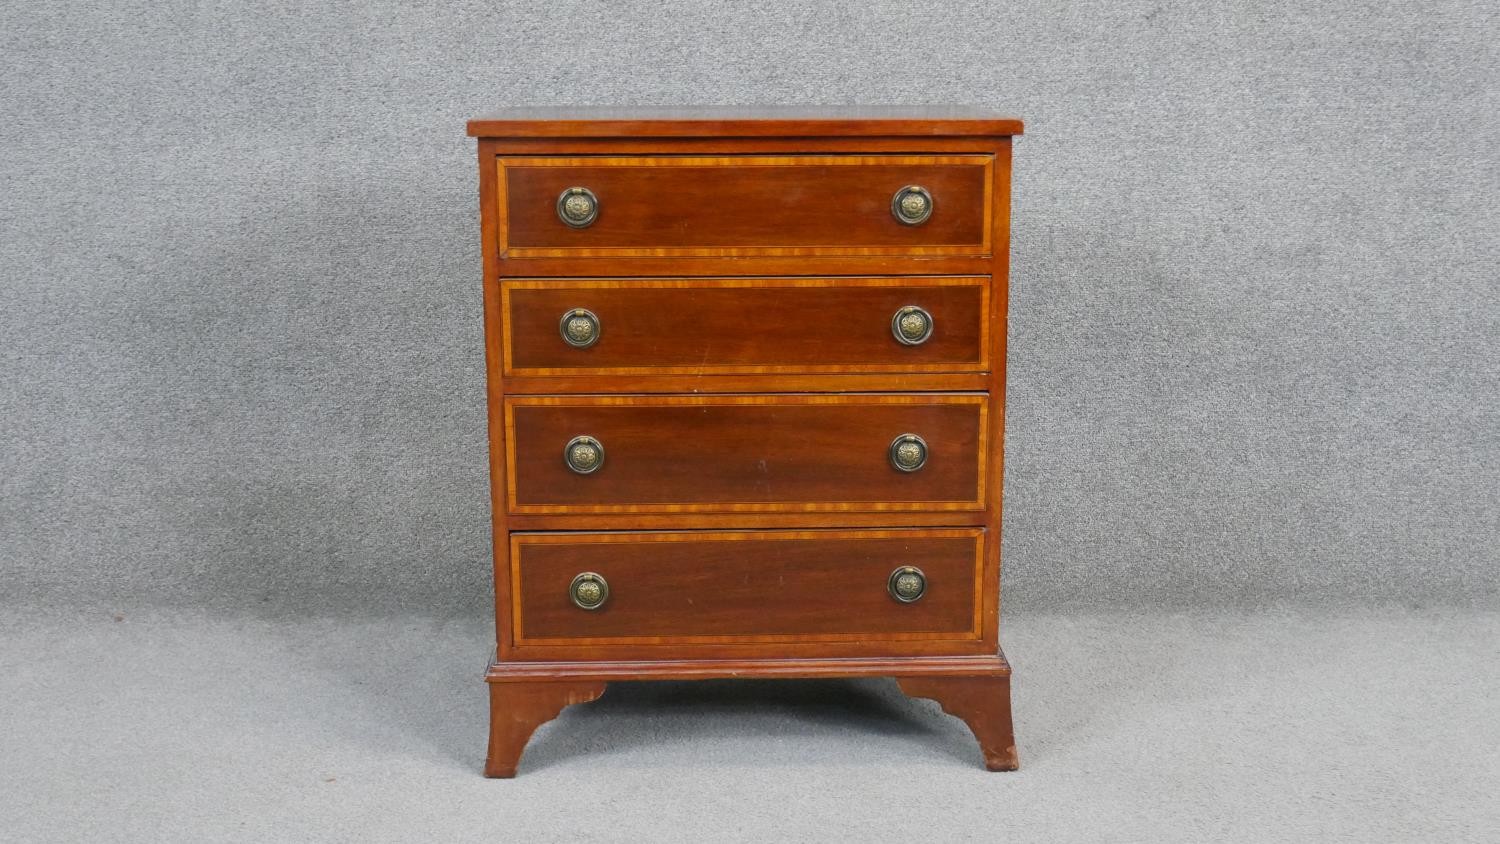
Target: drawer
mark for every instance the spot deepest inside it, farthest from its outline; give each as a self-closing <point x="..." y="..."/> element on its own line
<point x="710" y="586"/>
<point x="756" y="453"/>
<point x="744" y="205"/>
<point x="745" y="326"/>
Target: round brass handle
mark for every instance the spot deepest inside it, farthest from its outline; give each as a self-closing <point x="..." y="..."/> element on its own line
<point x="908" y="453"/>
<point x="907" y="584"/>
<point x="911" y="205"/>
<point x="579" y="328"/>
<point x="911" y="326"/>
<point x="584" y="455"/>
<point x="589" y="591"/>
<point x="578" y="207"/>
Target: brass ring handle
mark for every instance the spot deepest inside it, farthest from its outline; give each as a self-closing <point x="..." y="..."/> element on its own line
<point x="911" y="326"/>
<point x="579" y="328"/>
<point x="578" y="207"/>
<point x="907" y="584"/>
<point x="911" y="205"/>
<point x="584" y="455"/>
<point x="908" y="453"/>
<point x="588" y="591"/>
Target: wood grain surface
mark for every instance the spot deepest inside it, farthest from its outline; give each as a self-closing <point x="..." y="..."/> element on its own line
<point x="766" y="586"/>
<point x="555" y="122"/>
<point x="744" y="205"/>
<point x="744" y="266"/>
<point x="745" y="326"/>
<point x="766" y="453"/>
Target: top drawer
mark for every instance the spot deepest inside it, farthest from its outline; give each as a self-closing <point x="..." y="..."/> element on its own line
<point x="744" y="205"/>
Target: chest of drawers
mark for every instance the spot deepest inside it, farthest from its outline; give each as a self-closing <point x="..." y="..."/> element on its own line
<point x="746" y="378"/>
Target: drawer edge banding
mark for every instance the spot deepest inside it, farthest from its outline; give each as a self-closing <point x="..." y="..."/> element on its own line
<point x="977" y="503"/>
<point x="504" y="231"/>
<point x="891" y="364"/>
<point x="740" y="540"/>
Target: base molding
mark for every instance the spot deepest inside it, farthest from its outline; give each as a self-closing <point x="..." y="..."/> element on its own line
<point x="525" y="695"/>
<point x="986" y="665"/>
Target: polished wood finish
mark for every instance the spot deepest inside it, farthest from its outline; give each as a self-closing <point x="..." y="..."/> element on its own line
<point x="755" y="326"/>
<point x="853" y="382"/>
<point x="735" y="263"/>
<point x="555" y="122"/>
<point x="745" y="205"/>
<point x="524" y="695"/>
<point x="749" y="412"/>
<point x="991" y="664"/>
<point x="707" y="586"/>
<point x="767" y="453"/>
<point x="743" y="520"/>
<point x="518" y="708"/>
<point x="981" y="702"/>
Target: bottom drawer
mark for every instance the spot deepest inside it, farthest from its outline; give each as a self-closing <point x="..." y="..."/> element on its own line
<point x="742" y="587"/>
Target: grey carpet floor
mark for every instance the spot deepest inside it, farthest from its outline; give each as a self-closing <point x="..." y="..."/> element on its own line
<point x="1288" y="725"/>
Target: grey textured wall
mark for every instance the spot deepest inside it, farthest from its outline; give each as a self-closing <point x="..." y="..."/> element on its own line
<point x="1255" y="329"/>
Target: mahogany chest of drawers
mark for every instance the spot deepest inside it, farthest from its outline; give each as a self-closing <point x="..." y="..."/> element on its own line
<point x="746" y="392"/>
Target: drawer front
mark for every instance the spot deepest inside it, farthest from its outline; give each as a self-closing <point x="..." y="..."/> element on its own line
<point x="744" y="205"/>
<point x="745" y="326"/>
<point x="758" y="453"/>
<point x="706" y="587"/>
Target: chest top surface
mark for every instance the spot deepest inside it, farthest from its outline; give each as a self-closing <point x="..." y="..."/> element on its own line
<point x="742" y="121"/>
